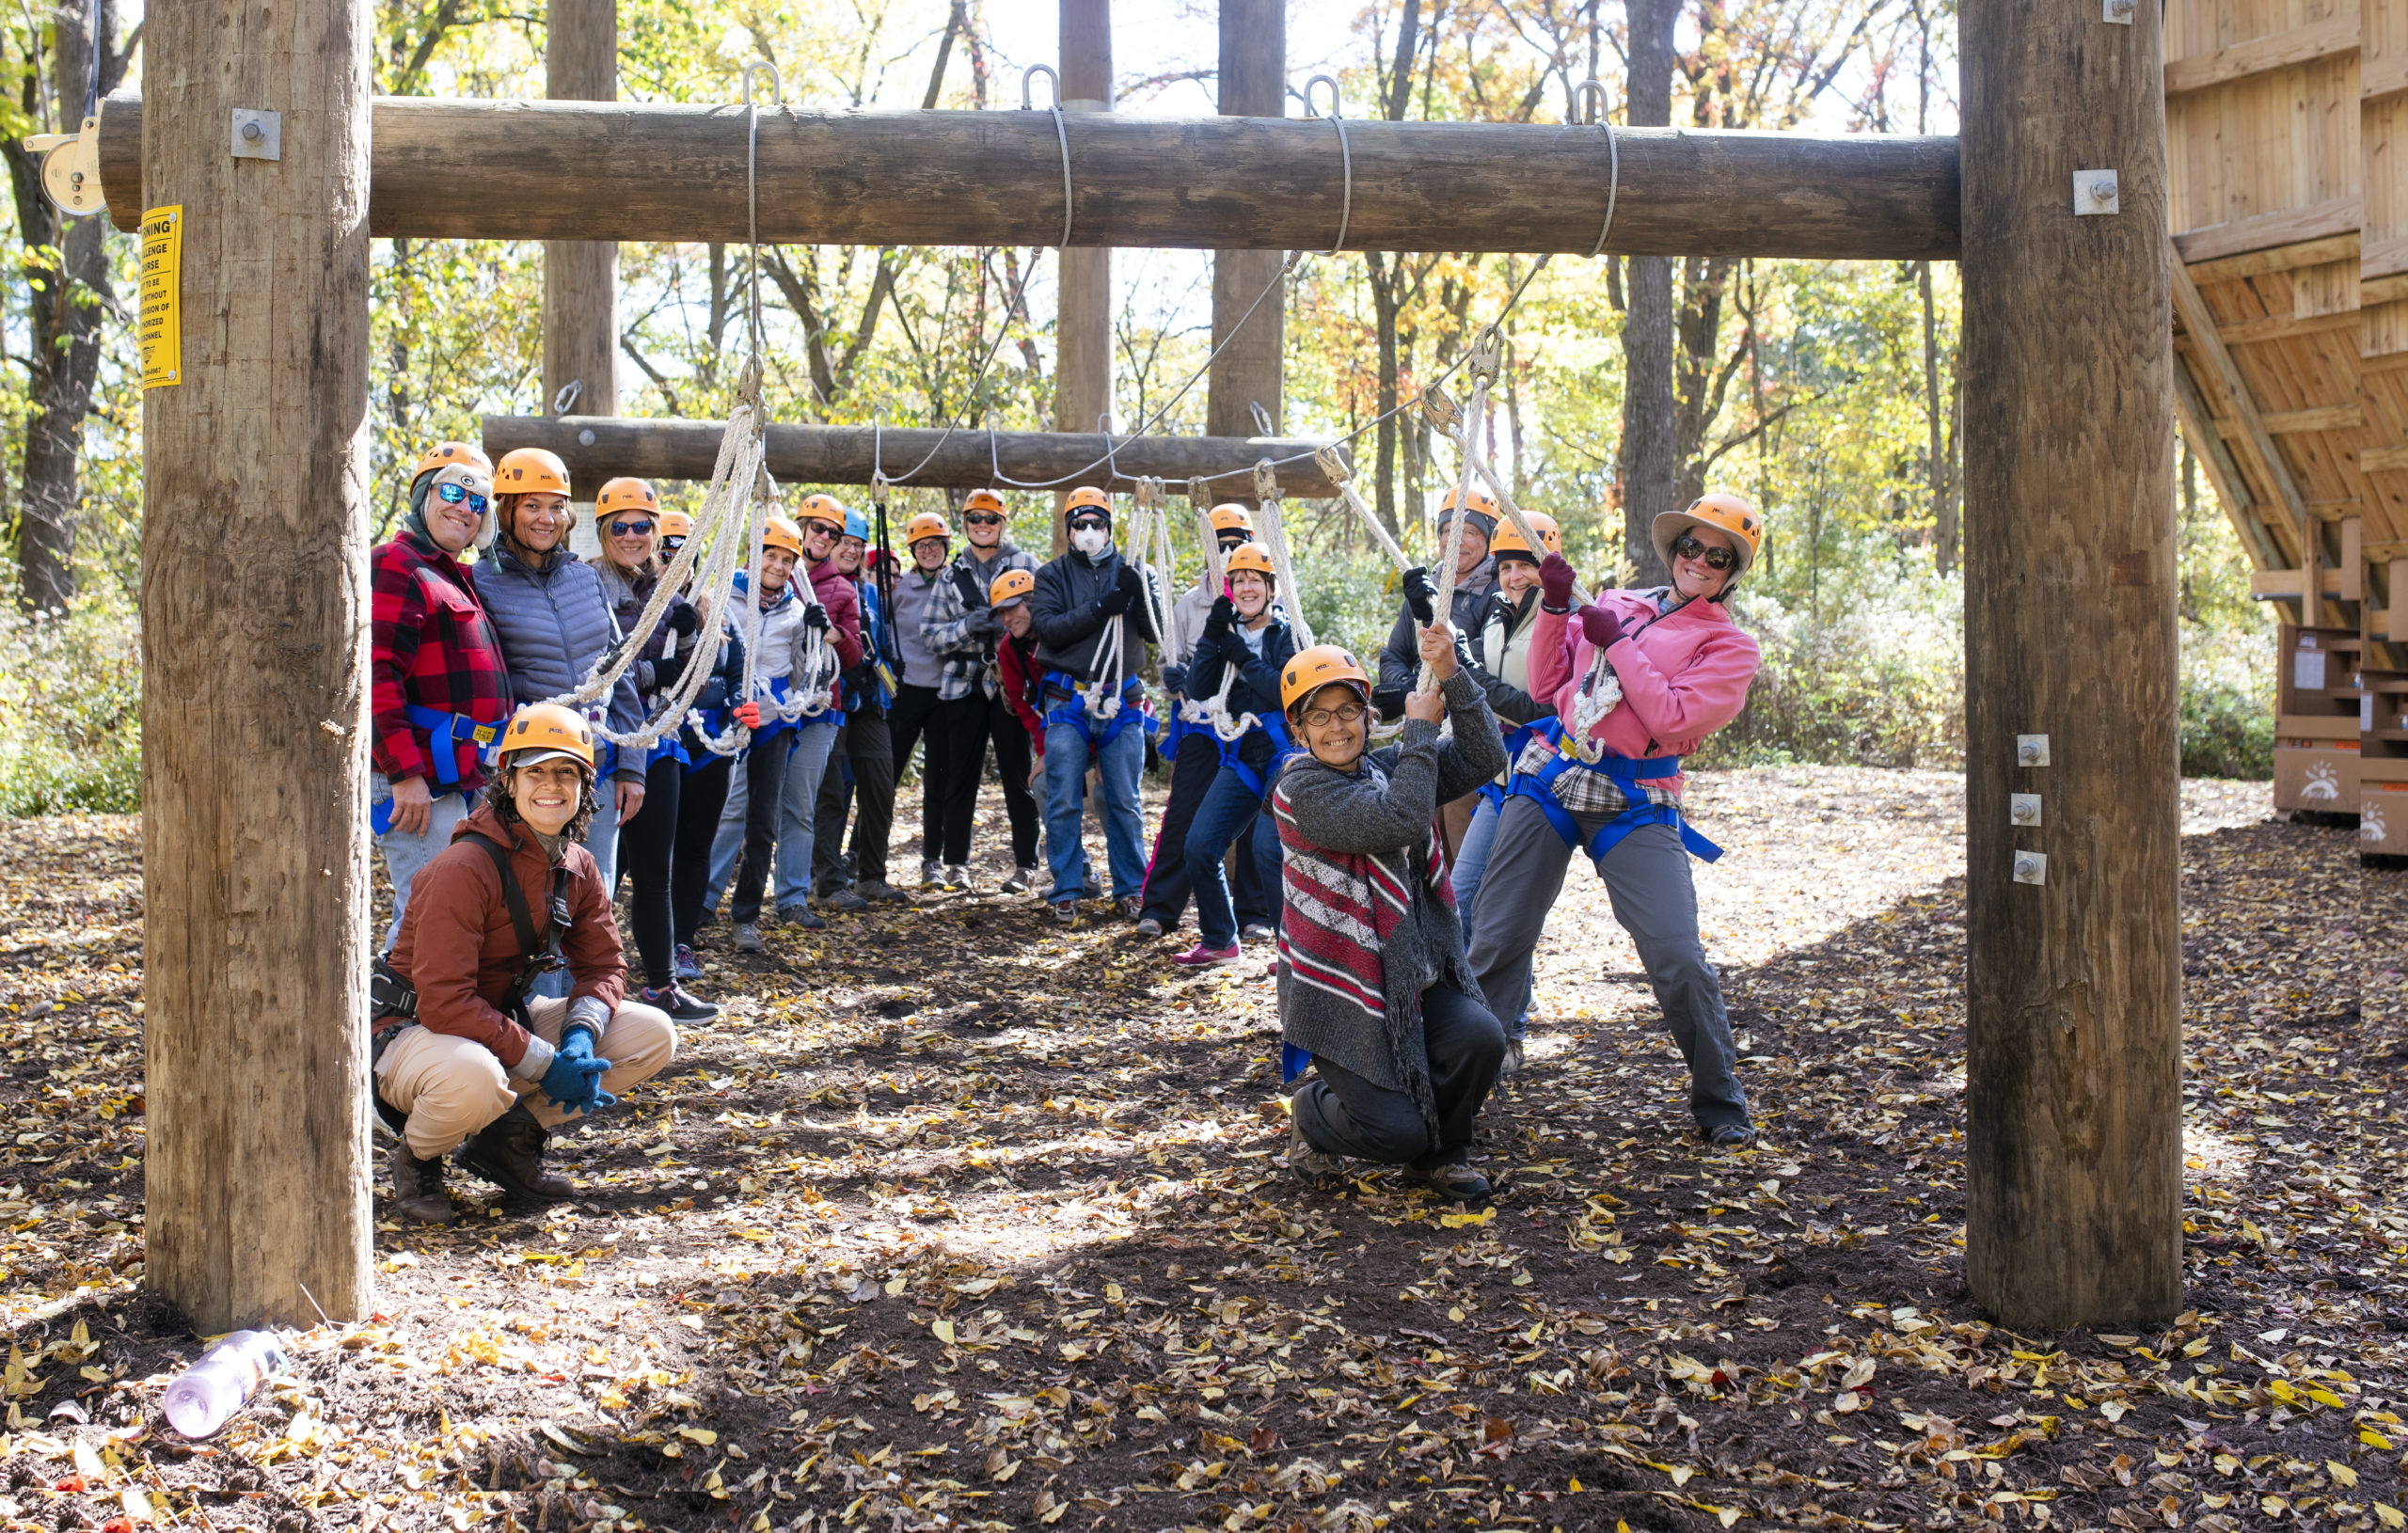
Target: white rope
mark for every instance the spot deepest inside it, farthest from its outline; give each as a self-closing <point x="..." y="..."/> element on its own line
<point x="1274" y="537"/>
<point x="1335" y="467"/>
<point x="1486" y="354"/>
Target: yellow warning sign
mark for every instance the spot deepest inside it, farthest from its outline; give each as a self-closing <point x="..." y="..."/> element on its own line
<point x="163" y="261"/>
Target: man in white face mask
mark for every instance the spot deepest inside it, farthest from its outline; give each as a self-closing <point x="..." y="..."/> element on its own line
<point x="1093" y="614"/>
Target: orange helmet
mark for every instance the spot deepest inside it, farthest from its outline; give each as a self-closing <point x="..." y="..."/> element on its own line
<point x="676" y="524"/>
<point x="823" y="508"/>
<point x="1230" y="516"/>
<point x="1087" y="498"/>
<point x="927" y="524"/>
<point x="1483" y="504"/>
<point x="1315" y="669"/>
<point x="1509" y="539"/>
<point x="626" y="495"/>
<point x="1251" y="556"/>
<point x="984" y="501"/>
<point x="531" y="470"/>
<point x="1729" y="515"/>
<point x="547" y="729"/>
<point x="781" y="533"/>
<point x="1009" y="587"/>
<point x="443" y="453"/>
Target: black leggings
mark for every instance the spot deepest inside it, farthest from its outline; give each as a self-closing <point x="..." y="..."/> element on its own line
<point x="701" y="797"/>
<point x="970" y="723"/>
<point x="645" y="843"/>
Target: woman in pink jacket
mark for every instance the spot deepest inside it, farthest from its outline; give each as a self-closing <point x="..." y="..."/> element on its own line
<point x="1607" y="779"/>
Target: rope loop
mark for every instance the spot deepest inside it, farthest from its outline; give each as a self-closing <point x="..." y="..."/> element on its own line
<point x="1061" y="133"/>
<point x="1337" y="116"/>
<point x="752" y="187"/>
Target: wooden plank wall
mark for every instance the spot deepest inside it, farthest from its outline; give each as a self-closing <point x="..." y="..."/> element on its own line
<point x="2382" y="335"/>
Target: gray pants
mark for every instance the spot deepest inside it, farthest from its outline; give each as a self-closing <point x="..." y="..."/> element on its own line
<point x="1345" y="1115"/>
<point x="1647" y="876"/>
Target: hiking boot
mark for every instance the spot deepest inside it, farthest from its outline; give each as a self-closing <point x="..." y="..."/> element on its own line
<point x="878" y="891"/>
<point x="748" y="937"/>
<point x="1022" y="881"/>
<point x="1730" y="1136"/>
<point x="686" y="966"/>
<point x="1316" y="1168"/>
<point x="802" y="915"/>
<point x="1512" y="1063"/>
<point x="1200" y="956"/>
<point x="417" y="1187"/>
<point x="931" y="876"/>
<point x="683" y="1010"/>
<point x="1455" y="1182"/>
<point x="1148" y="926"/>
<point x="509" y="1153"/>
<point x="958" y="876"/>
<point x="846" y="901"/>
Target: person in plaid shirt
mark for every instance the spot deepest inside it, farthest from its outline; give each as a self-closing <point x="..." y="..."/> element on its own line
<point x="962" y="627"/>
<point x="436" y="672"/>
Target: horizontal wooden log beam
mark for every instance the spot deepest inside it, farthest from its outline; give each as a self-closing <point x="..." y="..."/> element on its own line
<point x="596" y="448"/>
<point x="2335" y="217"/>
<point x="2321" y="39"/>
<point x="628" y="171"/>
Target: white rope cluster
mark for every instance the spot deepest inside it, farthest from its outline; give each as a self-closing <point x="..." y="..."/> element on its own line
<point x="1274" y="537"/>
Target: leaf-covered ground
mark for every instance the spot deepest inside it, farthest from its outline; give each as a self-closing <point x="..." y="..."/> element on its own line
<point x="961" y="1220"/>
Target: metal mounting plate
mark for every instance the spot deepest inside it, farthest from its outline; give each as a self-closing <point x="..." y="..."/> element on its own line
<point x="258" y="134"/>
<point x="2031" y="867"/>
<point x="2095" y="192"/>
<point x="2023" y="808"/>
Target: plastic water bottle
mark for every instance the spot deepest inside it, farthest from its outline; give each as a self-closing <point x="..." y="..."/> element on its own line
<point x="205" y="1394"/>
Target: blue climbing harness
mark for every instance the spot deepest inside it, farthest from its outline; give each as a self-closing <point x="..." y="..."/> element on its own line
<point x="1282" y="746"/>
<point x="1072" y="710"/>
<point x="447" y="732"/>
<point x="1516" y="737"/>
<point x="1628" y="772"/>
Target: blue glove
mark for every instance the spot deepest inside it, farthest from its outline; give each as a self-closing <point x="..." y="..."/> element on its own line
<point x="574" y="1079"/>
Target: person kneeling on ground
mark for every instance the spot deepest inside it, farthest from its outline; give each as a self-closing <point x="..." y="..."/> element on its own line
<point x="460" y="1053"/>
<point x="1374" y="984"/>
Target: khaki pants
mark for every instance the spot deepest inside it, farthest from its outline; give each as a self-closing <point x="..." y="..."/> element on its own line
<point x="452" y="1086"/>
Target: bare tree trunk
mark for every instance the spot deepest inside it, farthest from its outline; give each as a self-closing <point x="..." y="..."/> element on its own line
<point x="68" y="266"/>
<point x="1648" y="459"/>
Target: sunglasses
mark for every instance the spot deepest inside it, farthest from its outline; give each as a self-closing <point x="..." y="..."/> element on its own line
<point x="1089" y="524"/>
<point x="630" y="529"/>
<point x="981" y="518"/>
<point x="1688" y="547"/>
<point x="453" y="495"/>
<point x="1345" y="713"/>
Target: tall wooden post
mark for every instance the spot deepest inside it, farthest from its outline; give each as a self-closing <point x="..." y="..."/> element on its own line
<point x="1253" y="84"/>
<point x="254" y="653"/>
<point x="2073" y="1035"/>
<point x="1083" y="322"/>
<point x="581" y="277"/>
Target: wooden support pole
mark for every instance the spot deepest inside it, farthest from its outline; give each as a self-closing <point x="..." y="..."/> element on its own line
<point x="582" y="276"/>
<point x="2073" y="1017"/>
<point x="1082" y="315"/>
<point x="464" y="169"/>
<point x="964" y="460"/>
<point x="1247" y="372"/>
<point x="255" y="775"/>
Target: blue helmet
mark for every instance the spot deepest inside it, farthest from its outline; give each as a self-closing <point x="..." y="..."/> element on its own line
<point x="857" y="525"/>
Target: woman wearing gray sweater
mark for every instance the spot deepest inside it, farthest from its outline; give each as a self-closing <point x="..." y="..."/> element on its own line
<point x="1374" y="991"/>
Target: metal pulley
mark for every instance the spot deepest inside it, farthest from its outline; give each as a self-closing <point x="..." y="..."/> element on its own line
<point x="71" y="168"/>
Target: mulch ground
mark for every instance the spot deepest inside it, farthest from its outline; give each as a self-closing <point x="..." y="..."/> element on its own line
<point x="959" y="1219"/>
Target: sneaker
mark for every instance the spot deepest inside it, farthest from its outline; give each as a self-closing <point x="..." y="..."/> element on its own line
<point x="1512" y="1064"/>
<point x="1200" y="956"/>
<point x="846" y="901"/>
<point x="1730" y="1136"/>
<point x="686" y="966"/>
<point x="1258" y="932"/>
<point x="1023" y="880"/>
<point x="1066" y="911"/>
<point x="682" y="1008"/>
<point x="748" y="937"/>
<point x="1130" y="906"/>
<point x="1455" y="1182"/>
<point x="878" y="891"/>
<point x="802" y="915"/>
<point x="957" y="877"/>
<point x="1316" y="1168"/>
<point x="932" y="876"/>
<point x="1148" y="926"/>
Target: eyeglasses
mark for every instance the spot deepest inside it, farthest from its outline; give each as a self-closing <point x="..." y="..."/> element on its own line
<point x="453" y="495"/>
<point x="632" y="530"/>
<point x="1689" y="547"/>
<point x="1345" y="713"/>
<point x="980" y="518"/>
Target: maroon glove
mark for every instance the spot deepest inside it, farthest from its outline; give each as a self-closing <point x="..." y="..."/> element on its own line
<point x="1601" y="625"/>
<point x="1555" y="583"/>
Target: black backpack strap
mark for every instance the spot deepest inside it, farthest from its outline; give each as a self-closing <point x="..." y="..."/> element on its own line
<point x="520" y="918"/>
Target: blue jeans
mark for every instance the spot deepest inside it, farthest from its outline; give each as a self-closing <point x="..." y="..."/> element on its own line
<point x="799" y="813"/>
<point x="1231" y="812"/>
<point x="1066" y="796"/>
<point x="1471" y="861"/>
<point x="404" y="855"/>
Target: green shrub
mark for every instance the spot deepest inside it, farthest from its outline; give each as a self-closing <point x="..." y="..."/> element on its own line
<point x="2229" y="702"/>
<point x="71" y="708"/>
<point x="1879" y="681"/>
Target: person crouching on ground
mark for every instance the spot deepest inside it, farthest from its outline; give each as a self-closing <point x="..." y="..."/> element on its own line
<point x="1374" y="984"/>
<point x="461" y="1052"/>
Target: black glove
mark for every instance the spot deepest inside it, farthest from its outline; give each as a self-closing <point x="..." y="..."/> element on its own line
<point x="1390" y="705"/>
<point x="816" y="616"/>
<point x="667" y="675"/>
<point x="984" y="623"/>
<point x="1175" y="679"/>
<point x="1419" y="595"/>
<point x="1133" y="585"/>
<point x="684" y="622"/>
<point x="1216" y="623"/>
<point x="1115" y="602"/>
